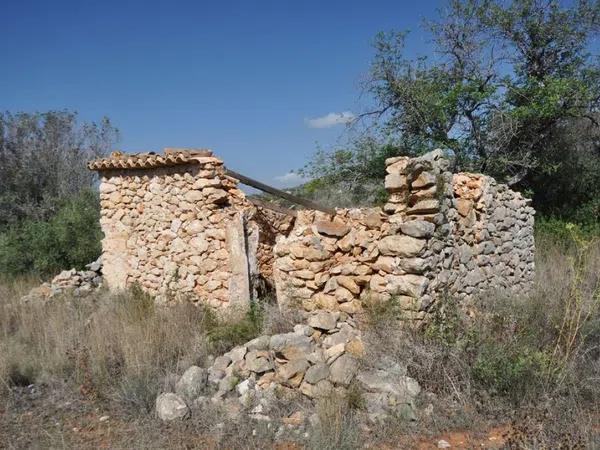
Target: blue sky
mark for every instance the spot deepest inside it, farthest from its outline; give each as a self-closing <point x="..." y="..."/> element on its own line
<point x="242" y="78"/>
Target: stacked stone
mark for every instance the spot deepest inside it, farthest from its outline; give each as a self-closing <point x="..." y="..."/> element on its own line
<point x="418" y="189"/>
<point x="337" y="264"/>
<point x="492" y="238"/>
<point x="166" y="229"/>
<point x="77" y="283"/>
<point x="439" y="234"/>
<point x="316" y="359"/>
<point x="327" y="263"/>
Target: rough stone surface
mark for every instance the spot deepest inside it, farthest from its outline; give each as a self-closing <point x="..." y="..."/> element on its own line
<point x="440" y="233"/>
<point x="170" y="406"/>
<point x="79" y="283"/>
<point x="184" y="231"/>
<point x="192" y="383"/>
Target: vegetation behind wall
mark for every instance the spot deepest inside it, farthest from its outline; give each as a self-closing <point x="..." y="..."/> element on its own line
<point x="49" y="210"/>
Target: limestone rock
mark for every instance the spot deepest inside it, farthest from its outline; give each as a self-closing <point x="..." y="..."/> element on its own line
<point x="192" y="383"/>
<point x="418" y="228"/>
<point x="322" y="320"/>
<point x="258" y="361"/>
<point x="405" y="246"/>
<point x="316" y="373"/>
<point x="343" y="370"/>
<point x="337" y="229"/>
<point x="170" y="406"/>
<point x="394" y="182"/>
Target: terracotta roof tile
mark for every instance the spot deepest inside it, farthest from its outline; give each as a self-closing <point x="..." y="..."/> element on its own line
<point x="171" y="157"/>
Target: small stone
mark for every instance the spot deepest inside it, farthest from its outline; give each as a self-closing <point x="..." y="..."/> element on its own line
<point x="424" y="180"/>
<point x="259" y="343"/>
<point x="316" y="373"/>
<point x="322" y="320"/>
<point x="355" y="347"/>
<point x="334" y="228"/>
<point x="343" y="370"/>
<point x="236" y="354"/>
<point x="464" y="206"/>
<point x="405" y="246"/>
<point x="424" y="207"/>
<point x="170" y="406"/>
<point x="193" y="196"/>
<point x="443" y="444"/>
<point x="257" y="361"/>
<point x="334" y="352"/>
<point x="418" y="228"/>
<point x="349" y="284"/>
<point x="221" y="362"/>
<point x="287" y="371"/>
<point x="244" y="386"/>
<point x="394" y="182"/>
<point x="192" y="383"/>
<point x="280" y="341"/>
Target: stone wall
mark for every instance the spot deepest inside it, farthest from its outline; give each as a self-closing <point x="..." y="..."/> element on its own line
<point x="178" y="226"/>
<point x="440" y="234"/>
<point x="183" y="230"/>
<point x="491" y="246"/>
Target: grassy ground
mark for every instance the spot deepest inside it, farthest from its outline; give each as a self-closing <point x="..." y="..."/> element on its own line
<point x="524" y="374"/>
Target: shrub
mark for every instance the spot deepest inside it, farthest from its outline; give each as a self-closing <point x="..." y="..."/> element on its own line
<point x="70" y="238"/>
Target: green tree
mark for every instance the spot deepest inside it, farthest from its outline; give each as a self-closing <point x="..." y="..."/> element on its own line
<point x="70" y="238"/>
<point x="508" y="87"/>
<point x="43" y="160"/>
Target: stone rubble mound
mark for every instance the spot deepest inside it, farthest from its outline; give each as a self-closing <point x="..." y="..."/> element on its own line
<point x="319" y="358"/>
<point x="79" y="283"/>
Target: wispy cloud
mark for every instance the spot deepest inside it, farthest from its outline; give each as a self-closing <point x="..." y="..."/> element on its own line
<point x="330" y="120"/>
<point x="290" y="179"/>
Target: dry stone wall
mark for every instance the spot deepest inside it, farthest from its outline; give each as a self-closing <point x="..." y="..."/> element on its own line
<point x="183" y="231"/>
<point x="180" y="227"/>
<point x="491" y="246"/>
<point x="440" y="234"/>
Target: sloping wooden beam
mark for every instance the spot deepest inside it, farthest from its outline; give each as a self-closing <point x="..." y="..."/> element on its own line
<point x="273" y="207"/>
<point x="279" y="193"/>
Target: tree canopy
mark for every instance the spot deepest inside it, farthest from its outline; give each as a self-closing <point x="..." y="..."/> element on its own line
<point x="43" y="160"/>
<point x="512" y="88"/>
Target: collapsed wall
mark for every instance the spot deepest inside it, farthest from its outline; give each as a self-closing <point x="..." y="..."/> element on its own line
<point x="440" y="234"/>
<point x="178" y="226"/>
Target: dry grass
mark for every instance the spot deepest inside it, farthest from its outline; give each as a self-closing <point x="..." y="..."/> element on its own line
<point x="116" y="347"/>
<point x="532" y="364"/>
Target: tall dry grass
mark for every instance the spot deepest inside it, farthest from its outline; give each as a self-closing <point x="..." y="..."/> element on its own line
<point x="118" y="347"/>
<point x="531" y="359"/>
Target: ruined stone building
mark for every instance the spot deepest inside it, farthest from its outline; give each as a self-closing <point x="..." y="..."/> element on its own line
<point x="178" y="225"/>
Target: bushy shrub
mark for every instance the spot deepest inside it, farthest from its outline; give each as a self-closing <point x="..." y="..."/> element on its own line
<point x="70" y="238"/>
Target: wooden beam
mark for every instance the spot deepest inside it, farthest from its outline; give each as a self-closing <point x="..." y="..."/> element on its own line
<point x="272" y="206"/>
<point x="279" y="193"/>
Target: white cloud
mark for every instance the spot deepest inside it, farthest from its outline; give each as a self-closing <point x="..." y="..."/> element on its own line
<point x="330" y="120"/>
<point x="290" y="179"/>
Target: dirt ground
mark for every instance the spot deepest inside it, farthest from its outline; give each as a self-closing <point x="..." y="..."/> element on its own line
<point x="44" y="417"/>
